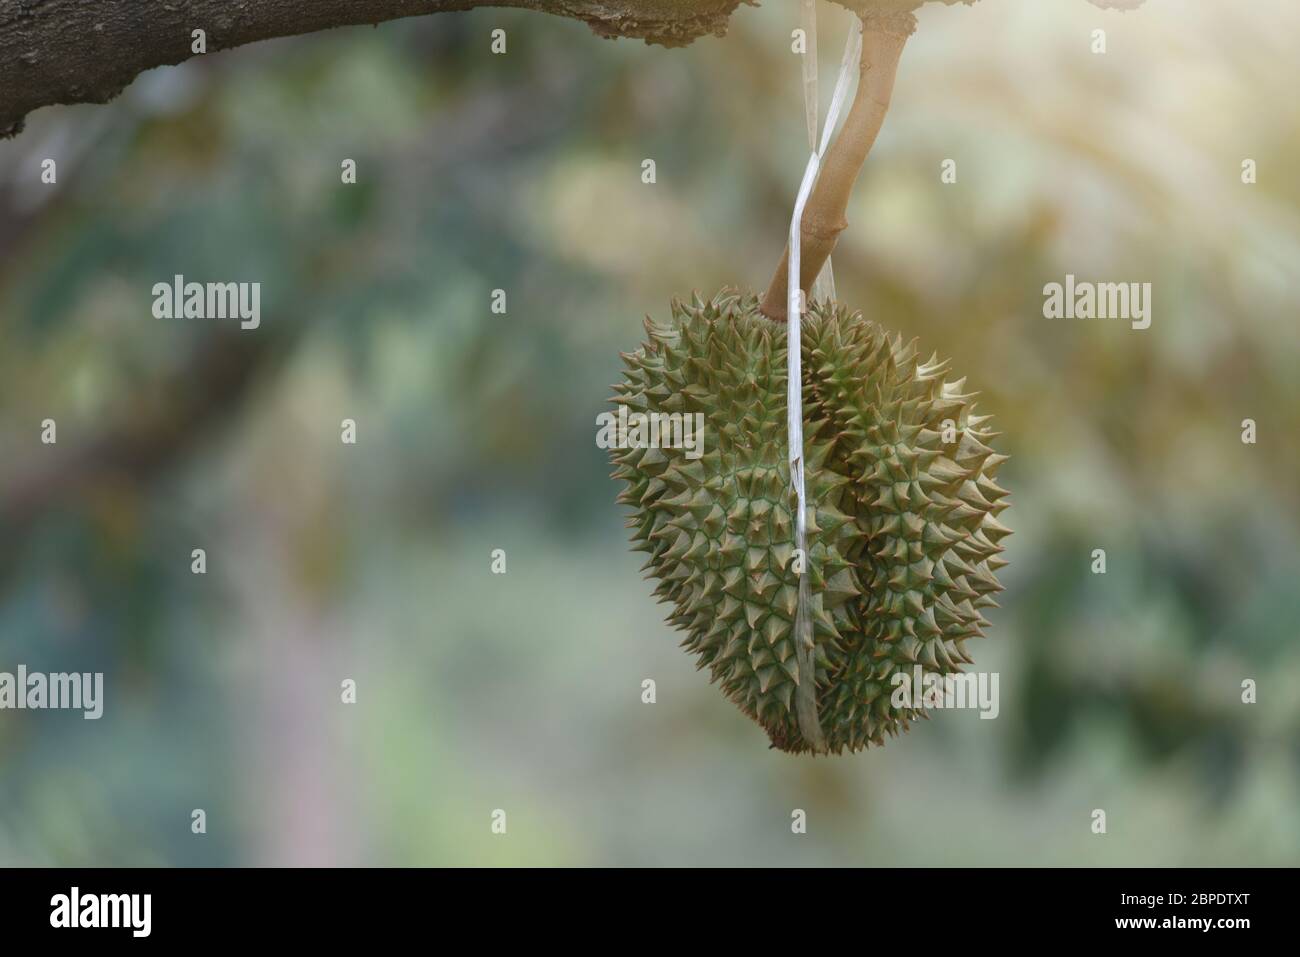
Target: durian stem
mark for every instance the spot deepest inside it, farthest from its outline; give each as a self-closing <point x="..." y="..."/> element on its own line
<point x="883" y="38"/>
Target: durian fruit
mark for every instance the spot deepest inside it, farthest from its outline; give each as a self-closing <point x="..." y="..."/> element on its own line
<point x="903" y="539"/>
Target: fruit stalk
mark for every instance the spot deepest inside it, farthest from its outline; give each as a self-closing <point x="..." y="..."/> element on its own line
<point x="883" y="38"/>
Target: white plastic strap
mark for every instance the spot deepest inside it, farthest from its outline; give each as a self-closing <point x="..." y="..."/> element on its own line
<point x="806" y="695"/>
<point x="824" y="284"/>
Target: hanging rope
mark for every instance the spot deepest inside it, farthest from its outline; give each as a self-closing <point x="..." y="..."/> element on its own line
<point x="806" y="693"/>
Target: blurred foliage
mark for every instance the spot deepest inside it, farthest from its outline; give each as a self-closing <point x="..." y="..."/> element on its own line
<point x="522" y="691"/>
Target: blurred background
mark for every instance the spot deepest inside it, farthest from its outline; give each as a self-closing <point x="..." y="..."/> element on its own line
<point x="476" y="432"/>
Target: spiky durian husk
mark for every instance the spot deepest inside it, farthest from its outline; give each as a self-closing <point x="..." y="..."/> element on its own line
<point x="903" y="539"/>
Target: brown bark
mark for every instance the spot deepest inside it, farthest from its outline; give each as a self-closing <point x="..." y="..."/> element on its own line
<point x="883" y="38"/>
<point x="87" y="51"/>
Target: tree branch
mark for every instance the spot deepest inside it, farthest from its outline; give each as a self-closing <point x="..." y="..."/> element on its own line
<point x="87" y="51"/>
<point x="883" y="38"/>
<point x="171" y="417"/>
<point x="167" y="420"/>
